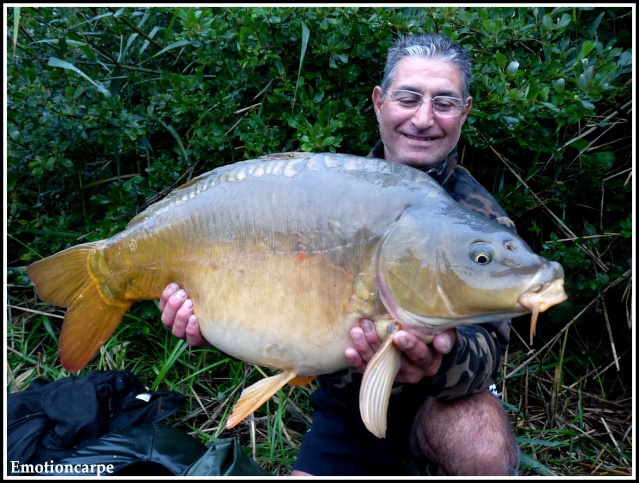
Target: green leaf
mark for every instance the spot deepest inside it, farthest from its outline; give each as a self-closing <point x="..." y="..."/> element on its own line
<point x="305" y="36"/>
<point x="582" y="81"/>
<point x="306" y="33"/>
<point x="535" y="465"/>
<point x="551" y="106"/>
<point x="579" y="144"/>
<point x="179" y="347"/>
<point x="586" y="48"/>
<point x="564" y="21"/>
<point x="55" y="62"/>
<point x="176" y="136"/>
<point x="146" y="43"/>
<point x="488" y="25"/>
<point x="172" y="46"/>
<point x="16" y="25"/>
<point x="538" y="442"/>
<point x="559" y="84"/>
<point x="131" y="39"/>
<point x="625" y="58"/>
<point x="592" y="29"/>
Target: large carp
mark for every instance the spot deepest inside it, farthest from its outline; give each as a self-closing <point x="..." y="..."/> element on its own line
<point x="283" y="255"/>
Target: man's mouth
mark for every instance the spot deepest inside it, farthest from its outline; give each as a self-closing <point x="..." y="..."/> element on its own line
<point x="419" y="138"/>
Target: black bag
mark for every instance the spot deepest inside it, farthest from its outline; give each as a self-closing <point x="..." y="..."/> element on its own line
<point x="104" y="424"/>
<point x="50" y="418"/>
<point x="155" y="450"/>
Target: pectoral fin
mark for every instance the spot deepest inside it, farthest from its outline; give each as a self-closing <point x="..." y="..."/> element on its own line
<point x="377" y="383"/>
<point x="254" y="396"/>
<point x="301" y="381"/>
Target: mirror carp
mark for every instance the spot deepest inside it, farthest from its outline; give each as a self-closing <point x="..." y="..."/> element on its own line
<point x="283" y="255"/>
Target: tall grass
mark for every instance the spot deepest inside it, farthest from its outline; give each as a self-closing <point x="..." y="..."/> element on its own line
<point x="571" y="416"/>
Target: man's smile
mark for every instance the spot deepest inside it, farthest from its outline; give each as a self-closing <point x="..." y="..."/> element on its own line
<point x="420" y="138"/>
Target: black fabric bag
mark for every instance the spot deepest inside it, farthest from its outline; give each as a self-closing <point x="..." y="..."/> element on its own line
<point x="50" y="418"/>
<point x="225" y="457"/>
<point x="155" y="450"/>
<point x="145" y="450"/>
<point x="105" y="424"/>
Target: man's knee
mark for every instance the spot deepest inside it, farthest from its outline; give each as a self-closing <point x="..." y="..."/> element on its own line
<point x="466" y="436"/>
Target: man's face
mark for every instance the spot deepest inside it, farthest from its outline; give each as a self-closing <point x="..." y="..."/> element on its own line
<point x="420" y="138"/>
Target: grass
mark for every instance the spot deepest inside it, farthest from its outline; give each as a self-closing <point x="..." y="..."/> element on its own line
<point x="569" y="405"/>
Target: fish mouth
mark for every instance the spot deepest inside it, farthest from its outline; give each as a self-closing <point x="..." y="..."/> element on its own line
<point x="540" y="298"/>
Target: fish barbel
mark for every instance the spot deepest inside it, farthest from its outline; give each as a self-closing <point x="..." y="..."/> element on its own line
<point x="283" y="255"/>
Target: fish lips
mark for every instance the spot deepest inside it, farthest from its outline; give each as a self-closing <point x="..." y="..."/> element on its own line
<point x="542" y="295"/>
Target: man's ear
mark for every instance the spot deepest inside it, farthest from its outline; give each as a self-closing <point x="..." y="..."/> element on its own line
<point x="377" y="97"/>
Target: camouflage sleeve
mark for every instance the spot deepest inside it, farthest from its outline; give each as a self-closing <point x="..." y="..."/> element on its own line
<point x="473" y="363"/>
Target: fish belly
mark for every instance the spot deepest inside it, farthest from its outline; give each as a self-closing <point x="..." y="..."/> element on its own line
<point x="278" y="311"/>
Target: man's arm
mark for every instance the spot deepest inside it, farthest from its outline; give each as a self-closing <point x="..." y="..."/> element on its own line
<point x="474" y="362"/>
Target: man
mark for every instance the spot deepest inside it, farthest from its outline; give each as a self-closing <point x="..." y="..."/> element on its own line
<point x="441" y="410"/>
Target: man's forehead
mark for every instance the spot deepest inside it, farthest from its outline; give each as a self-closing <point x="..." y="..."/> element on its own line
<point x="417" y="73"/>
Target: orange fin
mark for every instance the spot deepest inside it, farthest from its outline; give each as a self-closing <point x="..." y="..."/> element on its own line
<point x="254" y="396"/>
<point x="87" y="325"/>
<point x="377" y="383"/>
<point x="64" y="280"/>
<point x="300" y="381"/>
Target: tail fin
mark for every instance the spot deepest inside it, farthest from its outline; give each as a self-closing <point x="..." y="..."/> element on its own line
<point x="65" y="280"/>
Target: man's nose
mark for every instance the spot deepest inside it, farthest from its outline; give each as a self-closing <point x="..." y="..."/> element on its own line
<point x="424" y="116"/>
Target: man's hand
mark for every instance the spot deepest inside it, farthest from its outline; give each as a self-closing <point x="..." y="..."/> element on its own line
<point x="177" y="314"/>
<point x="419" y="359"/>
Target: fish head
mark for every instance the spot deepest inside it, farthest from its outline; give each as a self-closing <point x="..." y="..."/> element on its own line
<point x="444" y="266"/>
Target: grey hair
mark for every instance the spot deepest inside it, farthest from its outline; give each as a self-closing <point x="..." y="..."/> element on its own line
<point x="429" y="46"/>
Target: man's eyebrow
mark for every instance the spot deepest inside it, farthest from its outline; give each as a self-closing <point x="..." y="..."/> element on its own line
<point x="408" y="88"/>
<point x="443" y="92"/>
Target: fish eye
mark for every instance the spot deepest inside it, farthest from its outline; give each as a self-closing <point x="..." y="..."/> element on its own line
<point x="481" y="253"/>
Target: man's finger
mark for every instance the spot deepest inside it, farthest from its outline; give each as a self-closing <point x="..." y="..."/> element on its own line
<point x="413" y="348"/>
<point x="354" y="359"/>
<point x="166" y="294"/>
<point x="370" y="334"/>
<point x="361" y="345"/>
<point x="193" y="335"/>
<point x="173" y="304"/>
<point x="445" y="341"/>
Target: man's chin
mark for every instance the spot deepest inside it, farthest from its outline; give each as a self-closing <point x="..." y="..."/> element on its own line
<point x="422" y="163"/>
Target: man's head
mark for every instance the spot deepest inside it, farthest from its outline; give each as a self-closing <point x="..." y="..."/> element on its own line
<point x="416" y="130"/>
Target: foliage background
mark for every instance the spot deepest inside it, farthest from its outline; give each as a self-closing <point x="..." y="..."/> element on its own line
<point x="109" y="108"/>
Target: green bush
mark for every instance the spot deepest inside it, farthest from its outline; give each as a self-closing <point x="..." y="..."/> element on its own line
<point x="109" y="108"/>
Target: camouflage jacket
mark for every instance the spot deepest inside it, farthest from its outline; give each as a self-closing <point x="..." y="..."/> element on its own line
<point x="475" y="360"/>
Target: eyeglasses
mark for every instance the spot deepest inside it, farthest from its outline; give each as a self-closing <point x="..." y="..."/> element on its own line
<point x="444" y="106"/>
